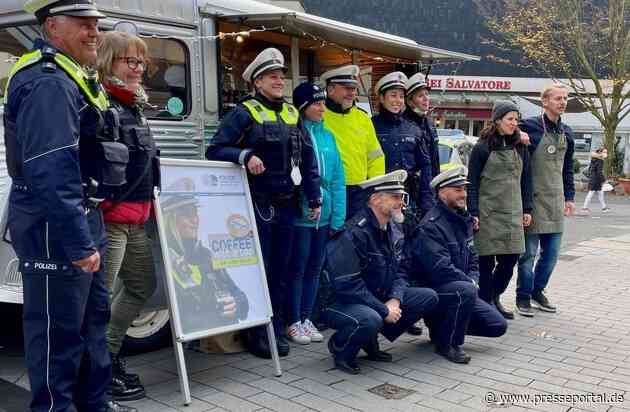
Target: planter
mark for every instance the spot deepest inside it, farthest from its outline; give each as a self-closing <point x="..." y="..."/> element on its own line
<point x="624" y="182"/>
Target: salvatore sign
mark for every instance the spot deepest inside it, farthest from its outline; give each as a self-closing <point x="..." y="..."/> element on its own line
<point x="470" y="83"/>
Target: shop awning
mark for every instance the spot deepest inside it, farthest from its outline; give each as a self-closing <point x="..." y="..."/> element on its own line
<point x="253" y="13"/>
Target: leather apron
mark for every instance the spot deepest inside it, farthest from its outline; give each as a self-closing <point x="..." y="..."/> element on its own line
<point x="501" y="205"/>
<point x="546" y="170"/>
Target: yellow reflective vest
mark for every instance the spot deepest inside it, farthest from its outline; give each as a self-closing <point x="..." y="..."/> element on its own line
<point x="357" y="143"/>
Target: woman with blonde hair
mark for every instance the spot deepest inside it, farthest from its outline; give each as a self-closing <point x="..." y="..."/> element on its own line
<point x="122" y="60"/>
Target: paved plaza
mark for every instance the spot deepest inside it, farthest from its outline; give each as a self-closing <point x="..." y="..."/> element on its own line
<point x="558" y="359"/>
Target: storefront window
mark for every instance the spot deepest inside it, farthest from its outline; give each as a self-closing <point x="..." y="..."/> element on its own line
<point x="478" y="126"/>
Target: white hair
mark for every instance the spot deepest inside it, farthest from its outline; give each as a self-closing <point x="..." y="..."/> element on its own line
<point x="45" y="34"/>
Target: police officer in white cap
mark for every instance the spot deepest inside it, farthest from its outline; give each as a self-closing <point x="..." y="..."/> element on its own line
<point x="263" y="133"/>
<point x="354" y="133"/>
<point x="440" y="254"/>
<point x="418" y="101"/>
<point x="371" y="291"/>
<point x="55" y="141"/>
<point x="403" y="144"/>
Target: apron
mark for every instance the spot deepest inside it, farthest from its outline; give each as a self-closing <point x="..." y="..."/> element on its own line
<point x="546" y="170"/>
<point x="501" y="205"/>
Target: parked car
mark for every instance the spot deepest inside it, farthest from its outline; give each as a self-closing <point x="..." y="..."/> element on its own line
<point x="455" y="135"/>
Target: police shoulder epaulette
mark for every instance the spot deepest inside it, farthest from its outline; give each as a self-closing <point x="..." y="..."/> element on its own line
<point x="362" y="222"/>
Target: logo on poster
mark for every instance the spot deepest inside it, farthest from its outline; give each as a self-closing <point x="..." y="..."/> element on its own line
<point x="236" y="247"/>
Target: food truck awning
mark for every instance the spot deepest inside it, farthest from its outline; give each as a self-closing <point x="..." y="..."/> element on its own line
<point x="253" y="13"/>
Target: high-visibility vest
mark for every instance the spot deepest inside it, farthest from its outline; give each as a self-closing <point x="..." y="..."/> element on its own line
<point x="96" y="98"/>
<point x="261" y="114"/>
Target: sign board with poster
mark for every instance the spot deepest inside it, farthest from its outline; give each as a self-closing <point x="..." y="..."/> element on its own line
<point x="214" y="273"/>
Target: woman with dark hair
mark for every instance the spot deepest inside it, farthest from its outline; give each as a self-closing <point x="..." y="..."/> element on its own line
<point x="500" y="201"/>
<point x="596" y="180"/>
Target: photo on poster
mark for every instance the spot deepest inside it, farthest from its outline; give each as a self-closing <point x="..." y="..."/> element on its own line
<point x="209" y="242"/>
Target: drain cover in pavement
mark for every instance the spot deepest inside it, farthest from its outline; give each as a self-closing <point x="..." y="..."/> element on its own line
<point x="389" y="391"/>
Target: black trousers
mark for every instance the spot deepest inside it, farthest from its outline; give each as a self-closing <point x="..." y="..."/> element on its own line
<point x="460" y="312"/>
<point x="495" y="273"/>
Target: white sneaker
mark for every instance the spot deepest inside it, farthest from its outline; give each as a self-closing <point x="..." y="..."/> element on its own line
<point x="296" y="333"/>
<point x="312" y="332"/>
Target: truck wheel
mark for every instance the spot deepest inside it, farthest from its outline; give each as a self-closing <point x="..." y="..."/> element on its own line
<point x="150" y="331"/>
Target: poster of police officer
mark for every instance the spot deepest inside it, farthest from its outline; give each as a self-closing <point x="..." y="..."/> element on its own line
<point x="212" y="260"/>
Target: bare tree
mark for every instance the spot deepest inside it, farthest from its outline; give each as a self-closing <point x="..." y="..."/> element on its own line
<point x="575" y="40"/>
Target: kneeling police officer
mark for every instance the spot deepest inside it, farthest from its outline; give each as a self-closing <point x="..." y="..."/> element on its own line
<point x="63" y="160"/>
<point x="440" y="255"/>
<point x="263" y="133"/>
<point x="372" y="294"/>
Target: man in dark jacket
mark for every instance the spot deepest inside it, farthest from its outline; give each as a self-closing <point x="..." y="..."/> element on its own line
<point x="551" y="167"/>
<point x="440" y="255"/>
<point x="372" y="295"/>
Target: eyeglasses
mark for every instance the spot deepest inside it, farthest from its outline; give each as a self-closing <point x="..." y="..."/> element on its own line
<point x="133" y="62"/>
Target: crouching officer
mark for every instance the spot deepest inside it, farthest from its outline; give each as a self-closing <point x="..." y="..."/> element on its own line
<point x="263" y="134"/>
<point x="62" y="162"/>
<point x="371" y="292"/>
<point x="440" y="255"/>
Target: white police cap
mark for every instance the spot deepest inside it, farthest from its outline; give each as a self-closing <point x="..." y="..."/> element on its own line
<point x="342" y="75"/>
<point x="457" y="176"/>
<point x="178" y="194"/>
<point x="394" y="80"/>
<point x="415" y="82"/>
<point x="393" y="182"/>
<point x="268" y="59"/>
<point x="48" y="8"/>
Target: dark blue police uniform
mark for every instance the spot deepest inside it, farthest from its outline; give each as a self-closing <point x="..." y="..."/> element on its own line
<point x="440" y="255"/>
<point x="364" y="269"/>
<point x="429" y="136"/>
<point x="405" y="148"/>
<point x="274" y="193"/>
<point x="54" y="152"/>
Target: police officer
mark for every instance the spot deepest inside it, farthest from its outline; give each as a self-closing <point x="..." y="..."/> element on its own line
<point x="371" y="292"/>
<point x="403" y="145"/>
<point x="551" y="164"/>
<point x="440" y="255"/>
<point x="263" y="133"/>
<point x="62" y="163"/>
<point x="354" y="133"/>
<point x="418" y="101"/>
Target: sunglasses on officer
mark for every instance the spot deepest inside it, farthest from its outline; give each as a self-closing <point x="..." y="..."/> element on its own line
<point x="133" y="62"/>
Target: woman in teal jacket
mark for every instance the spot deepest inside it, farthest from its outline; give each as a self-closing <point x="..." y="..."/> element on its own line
<point x="311" y="235"/>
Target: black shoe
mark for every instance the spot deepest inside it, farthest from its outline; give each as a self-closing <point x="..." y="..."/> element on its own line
<point x="122" y="392"/>
<point x="507" y="314"/>
<point x="374" y="352"/>
<point x="453" y="353"/>
<point x="541" y="302"/>
<point x="414" y="330"/>
<point x="282" y="344"/>
<point x="116" y="407"/>
<point x="524" y="307"/>
<point x="257" y="343"/>
<point x="347" y="366"/>
<point x="119" y="368"/>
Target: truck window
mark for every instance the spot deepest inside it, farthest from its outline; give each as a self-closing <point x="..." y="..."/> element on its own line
<point x="167" y="79"/>
<point x="10" y="50"/>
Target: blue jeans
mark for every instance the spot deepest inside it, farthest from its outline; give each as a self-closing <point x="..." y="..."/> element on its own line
<point x="305" y="266"/>
<point x="530" y="279"/>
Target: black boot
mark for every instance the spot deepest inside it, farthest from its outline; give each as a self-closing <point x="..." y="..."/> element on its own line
<point x="346" y="365"/>
<point x="453" y="353"/>
<point x="119" y="368"/>
<point x="374" y="352"/>
<point x="116" y="407"/>
<point x="502" y="310"/>
<point x="122" y="392"/>
<point x="257" y="343"/>
<point x="283" y="344"/>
